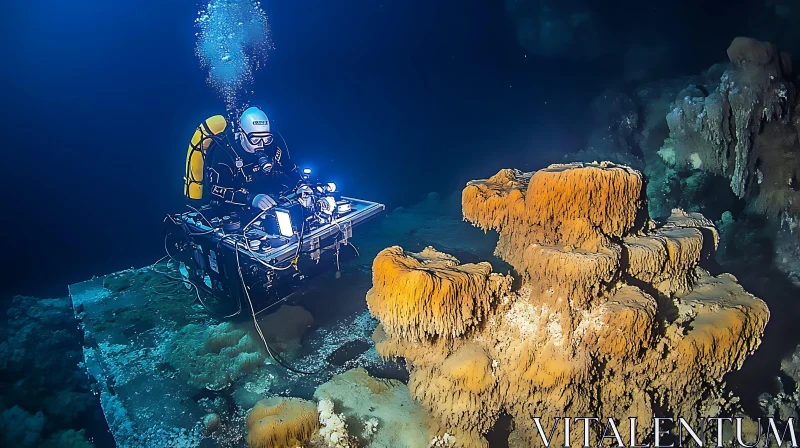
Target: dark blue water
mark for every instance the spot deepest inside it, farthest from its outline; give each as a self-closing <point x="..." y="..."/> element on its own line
<point x="391" y="99"/>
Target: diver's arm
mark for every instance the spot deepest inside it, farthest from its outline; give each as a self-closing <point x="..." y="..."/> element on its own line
<point x="223" y="186"/>
<point x="288" y="172"/>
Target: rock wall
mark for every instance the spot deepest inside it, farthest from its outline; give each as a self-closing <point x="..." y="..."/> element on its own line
<point x="743" y="129"/>
<point x="724" y="142"/>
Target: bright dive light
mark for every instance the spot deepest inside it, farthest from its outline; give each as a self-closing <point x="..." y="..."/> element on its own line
<point x="331" y="187"/>
<point x="284" y="222"/>
<point x="306" y="171"/>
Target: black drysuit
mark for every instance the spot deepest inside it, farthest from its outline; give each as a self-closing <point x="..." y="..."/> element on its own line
<point x="235" y="176"/>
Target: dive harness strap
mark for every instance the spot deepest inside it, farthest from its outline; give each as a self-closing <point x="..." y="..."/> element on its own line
<point x="235" y="196"/>
<point x="229" y="195"/>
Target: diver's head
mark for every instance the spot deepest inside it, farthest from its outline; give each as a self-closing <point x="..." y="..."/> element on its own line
<point x="254" y="130"/>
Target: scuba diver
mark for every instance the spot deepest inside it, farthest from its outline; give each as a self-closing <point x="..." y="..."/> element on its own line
<point x="295" y="230"/>
<point x="247" y="173"/>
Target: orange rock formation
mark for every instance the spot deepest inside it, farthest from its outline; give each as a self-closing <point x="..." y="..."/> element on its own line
<point x="614" y="318"/>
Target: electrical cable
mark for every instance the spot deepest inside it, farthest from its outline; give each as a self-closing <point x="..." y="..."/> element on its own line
<point x="348" y="243"/>
<point x="186" y="228"/>
<point x="354" y="248"/>
<point x="164" y="291"/>
<point x="338" y="268"/>
<point x="288" y="154"/>
<point x="247" y="227"/>
<point x="200" y="299"/>
<point x="159" y="261"/>
<point x="246" y="245"/>
<point x="258" y="327"/>
<point x="152" y="267"/>
<point x="250" y="301"/>
<point x="201" y="215"/>
<point x="255" y="256"/>
<point x="197" y="290"/>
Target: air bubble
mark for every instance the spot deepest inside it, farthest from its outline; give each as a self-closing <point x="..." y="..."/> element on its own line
<point x="233" y="41"/>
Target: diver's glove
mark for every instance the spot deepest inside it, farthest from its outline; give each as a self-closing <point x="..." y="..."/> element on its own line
<point x="263" y="202"/>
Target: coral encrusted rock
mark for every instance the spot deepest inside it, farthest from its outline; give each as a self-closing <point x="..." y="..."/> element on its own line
<point x="614" y="316"/>
<point x="378" y="412"/>
<point x="430" y="294"/>
<point x="217" y="356"/>
<point x="280" y="422"/>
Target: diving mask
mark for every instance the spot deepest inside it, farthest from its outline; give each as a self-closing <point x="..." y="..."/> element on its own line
<point x="256" y="138"/>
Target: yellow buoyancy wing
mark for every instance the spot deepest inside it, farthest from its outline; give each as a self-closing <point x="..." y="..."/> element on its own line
<point x="196" y="155"/>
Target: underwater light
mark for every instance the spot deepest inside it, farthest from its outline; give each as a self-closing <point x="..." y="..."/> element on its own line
<point x="343" y="207"/>
<point x="331" y="187"/>
<point x="284" y="222"/>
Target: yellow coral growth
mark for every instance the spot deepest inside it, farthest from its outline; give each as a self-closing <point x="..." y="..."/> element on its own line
<point x="280" y="422"/>
<point x="579" y="205"/>
<point x="496" y="202"/>
<point x="432" y="353"/>
<point x="570" y="277"/>
<point x="429" y="294"/>
<point x="453" y="404"/>
<point x="470" y="368"/>
<point x="666" y="258"/>
<point x="727" y="322"/>
<point x="679" y="218"/>
<point x="604" y="196"/>
<point x="629" y="308"/>
<point x="614" y="316"/>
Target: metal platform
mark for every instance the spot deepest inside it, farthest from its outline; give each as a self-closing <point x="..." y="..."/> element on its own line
<point x="361" y="211"/>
